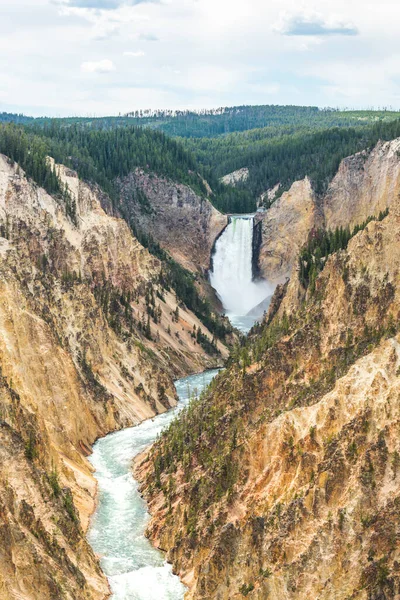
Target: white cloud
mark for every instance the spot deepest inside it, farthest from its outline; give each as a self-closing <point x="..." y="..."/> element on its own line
<point x="310" y="23"/>
<point x="148" y="37"/>
<point x="99" y="66"/>
<point x="208" y="78"/>
<point x="198" y="53"/>
<point x="103" y="24"/>
<point x="99" y="4"/>
<point x="135" y="54"/>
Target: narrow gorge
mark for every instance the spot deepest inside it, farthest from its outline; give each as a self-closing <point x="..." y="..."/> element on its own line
<point x="137" y="571"/>
<point x="284" y="478"/>
<point x="198" y="400"/>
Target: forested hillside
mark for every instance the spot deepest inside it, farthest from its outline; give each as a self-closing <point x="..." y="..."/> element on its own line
<point x="104" y="155"/>
<point x="278" y="144"/>
<point x="284" y="155"/>
<point x="15" y="118"/>
<point x="211" y="123"/>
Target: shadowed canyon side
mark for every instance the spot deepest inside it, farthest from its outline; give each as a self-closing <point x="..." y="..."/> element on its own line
<point x="300" y="439"/>
<point x="365" y="184"/>
<point x="182" y="222"/>
<point x="91" y="341"/>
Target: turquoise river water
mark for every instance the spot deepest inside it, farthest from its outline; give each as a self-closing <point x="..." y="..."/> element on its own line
<point x="135" y="569"/>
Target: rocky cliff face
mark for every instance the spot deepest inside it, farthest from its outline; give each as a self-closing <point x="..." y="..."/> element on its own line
<point x="364" y="185"/>
<point x="288" y="485"/>
<point x="285" y="228"/>
<point x="89" y="342"/>
<point x="178" y="219"/>
<point x="236" y="176"/>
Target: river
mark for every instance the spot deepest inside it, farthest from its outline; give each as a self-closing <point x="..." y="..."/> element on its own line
<point x="135" y="569"/>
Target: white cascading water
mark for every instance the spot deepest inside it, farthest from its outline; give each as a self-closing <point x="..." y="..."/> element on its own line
<point x="232" y="273"/>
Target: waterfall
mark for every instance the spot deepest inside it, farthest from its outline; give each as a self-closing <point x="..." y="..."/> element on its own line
<point x="232" y="273"/>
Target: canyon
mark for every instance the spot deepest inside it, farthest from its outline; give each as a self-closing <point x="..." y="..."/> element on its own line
<point x="91" y="342"/>
<point x="283" y="482"/>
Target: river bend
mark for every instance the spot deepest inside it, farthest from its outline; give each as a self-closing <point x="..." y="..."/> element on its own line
<point x="135" y="569"/>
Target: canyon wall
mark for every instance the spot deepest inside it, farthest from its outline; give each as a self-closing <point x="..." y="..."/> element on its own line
<point x="285" y="229"/>
<point x="90" y="341"/>
<point x="288" y="485"/>
<point x="364" y="185"/>
<point x="182" y="222"/>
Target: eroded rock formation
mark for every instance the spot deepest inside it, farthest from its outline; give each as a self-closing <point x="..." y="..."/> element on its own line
<point x="289" y="484"/>
<point x="364" y="185"/>
<point x="236" y="176"/>
<point x="285" y="228"/>
<point x="182" y="222"/>
<point x="89" y="342"/>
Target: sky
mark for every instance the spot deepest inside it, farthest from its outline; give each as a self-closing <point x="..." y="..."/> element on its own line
<point x="109" y="57"/>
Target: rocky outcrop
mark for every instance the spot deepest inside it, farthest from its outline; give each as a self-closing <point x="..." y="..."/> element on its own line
<point x="364" y="185"/>
<point x="285" y="228"/>
<point x="90" y="341"/>
<point x="236" y="177"/>
<point x="266" y="198"/>
<point x="291" y="487"/>
<point x="182" y="222"/>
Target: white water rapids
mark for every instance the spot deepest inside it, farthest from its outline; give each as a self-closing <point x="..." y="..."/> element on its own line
<point x="232" y="274"/>
<point x="135" y="569"/>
